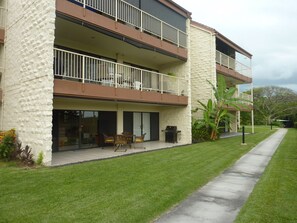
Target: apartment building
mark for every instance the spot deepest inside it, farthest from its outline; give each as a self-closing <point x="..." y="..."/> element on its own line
<point x="73" y="70"/>
<point x="213" y="55"/>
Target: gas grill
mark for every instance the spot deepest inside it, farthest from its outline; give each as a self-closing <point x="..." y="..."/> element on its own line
<point x="171" y="134"/>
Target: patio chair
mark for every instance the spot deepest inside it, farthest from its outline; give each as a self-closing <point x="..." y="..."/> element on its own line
<point x="137" y="85"/>
<point x="119" y="142"/>
<point x="139" y="139"/>
<point x="108" y="139"/>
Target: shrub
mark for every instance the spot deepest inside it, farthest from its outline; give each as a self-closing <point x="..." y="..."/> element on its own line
<point x="200" y="132"/>
<point x="24" y="154"/>
<point x="295" y="124"/>
<point x="11" y="149"/>
<point x="278" y="124"/>
<point x="39" y="160"/>
<point x="7" y="144"/>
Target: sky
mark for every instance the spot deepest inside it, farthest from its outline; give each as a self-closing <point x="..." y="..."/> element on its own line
<point x="265" y="28"/>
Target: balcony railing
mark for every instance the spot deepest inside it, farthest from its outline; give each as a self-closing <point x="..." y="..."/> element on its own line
<point x="247" y="99"/>
<point x="87" y="69"/>
<point x="2" y="17"/>
<point x="125" y="12"/>
<point x="233" y="64"/>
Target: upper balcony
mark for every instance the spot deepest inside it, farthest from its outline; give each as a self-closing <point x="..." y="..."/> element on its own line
<point x="233" y="61"/>
<point x="82" y="76"/>
<point x="122" y="11"/>
<point x="130" y="22"/>
<point x="233" y="68"/>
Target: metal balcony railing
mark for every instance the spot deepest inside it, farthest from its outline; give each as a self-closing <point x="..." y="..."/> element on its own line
<point x="87" y="69"/>
<point x="125" y="12"/>
<point x="233" y="64"/>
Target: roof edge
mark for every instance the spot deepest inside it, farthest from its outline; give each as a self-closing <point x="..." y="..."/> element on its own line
<point x="202" y="26"/>
<point x="222" y="38"/>
<point x="233" y="45"/>
<point x="177" y="8"/>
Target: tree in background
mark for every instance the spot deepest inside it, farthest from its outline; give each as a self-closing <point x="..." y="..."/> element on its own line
<point x="272" y="103"/>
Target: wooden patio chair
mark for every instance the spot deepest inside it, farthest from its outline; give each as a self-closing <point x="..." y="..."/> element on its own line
<point x="139" y="139"/>
<point x="108" y="139"/>
<point x="119" y="142"/>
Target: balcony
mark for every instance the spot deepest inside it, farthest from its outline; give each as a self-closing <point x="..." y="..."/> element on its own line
<point x="233" y="68"/>
<point x="246" y="104"/>
<point x="126" y="13"/>
<point x="117" y="79"/>
<point x="247" y="98"/>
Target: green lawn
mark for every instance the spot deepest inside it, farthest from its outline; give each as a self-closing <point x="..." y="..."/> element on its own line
<point x="248" y="129"/>
<point x="274" y="198"/>
<point x="130" y="189"/>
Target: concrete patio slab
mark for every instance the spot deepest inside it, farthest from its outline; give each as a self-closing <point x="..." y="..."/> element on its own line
<point x="83" y="155"/>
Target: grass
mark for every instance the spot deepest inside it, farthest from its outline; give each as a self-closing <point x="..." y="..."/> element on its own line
<point x="130" y="189"/>
<point x="259" y="128"/>
<point x="274" y="198"/>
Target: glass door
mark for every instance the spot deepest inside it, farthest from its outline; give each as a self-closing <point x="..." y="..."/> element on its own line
<point x="88" y="129"/>
<point x="141" y="124"/>
<point x="68" y="130"/>
<point x="146" y="125"/>
<point x="137" y="124"/>
<point x="74" y="130"/>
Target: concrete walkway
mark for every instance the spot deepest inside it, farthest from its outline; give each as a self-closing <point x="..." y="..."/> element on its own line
<point x="221" y="199"/>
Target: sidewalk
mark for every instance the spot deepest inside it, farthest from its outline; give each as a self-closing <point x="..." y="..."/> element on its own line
<point x="221" y="199"/>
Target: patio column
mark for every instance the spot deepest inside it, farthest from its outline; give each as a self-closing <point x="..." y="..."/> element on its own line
<point x="120" y="121"/>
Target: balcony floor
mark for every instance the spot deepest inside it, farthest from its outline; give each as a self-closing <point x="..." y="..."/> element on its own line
<point x="83" y="155"/>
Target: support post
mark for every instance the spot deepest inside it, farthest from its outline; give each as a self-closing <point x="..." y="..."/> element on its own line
<point x="83" y="69"/>
<point x="252" y="112"/>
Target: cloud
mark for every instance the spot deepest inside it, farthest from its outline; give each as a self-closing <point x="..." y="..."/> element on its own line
<point x="265" y="28"/>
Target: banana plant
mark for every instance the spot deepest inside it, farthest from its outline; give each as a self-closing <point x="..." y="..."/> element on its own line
<point x="214" y="111"/>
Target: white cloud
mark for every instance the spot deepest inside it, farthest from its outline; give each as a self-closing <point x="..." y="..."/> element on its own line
<point x="265" y="28"/>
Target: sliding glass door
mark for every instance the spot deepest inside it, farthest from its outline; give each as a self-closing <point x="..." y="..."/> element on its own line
<point x="142" y="122"/>
<point x="88" y="129"/>
<point x="81" y="129"/>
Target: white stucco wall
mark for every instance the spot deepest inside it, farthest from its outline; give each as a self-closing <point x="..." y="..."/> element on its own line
<point x="28" y="84"/>
<point x="203" y="65"/>
<point x="179" y="116"/>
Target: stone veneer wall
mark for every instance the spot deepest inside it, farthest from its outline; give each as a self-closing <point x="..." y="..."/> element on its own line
<point x="179" y="116"/>
<point x="28" y="84"/>
<point x="203" y="65"/>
